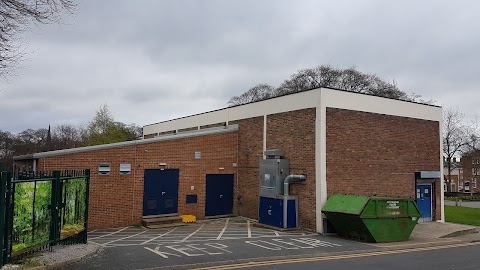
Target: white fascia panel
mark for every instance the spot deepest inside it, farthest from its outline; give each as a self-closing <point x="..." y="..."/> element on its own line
<point x="286" y="103"/>
<point x="374" y="104"/>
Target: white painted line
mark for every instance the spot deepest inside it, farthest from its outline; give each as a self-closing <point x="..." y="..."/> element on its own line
<point x="120" y="245"/>
<point x="224" y="228"/>
<point x="101" y="236"/>
<point x="249" y="229"/>
<point x="130" y="236"/>
<point x="276" y="233"/>
<point x="188" y="236"/>
<point x="143" y="243"/>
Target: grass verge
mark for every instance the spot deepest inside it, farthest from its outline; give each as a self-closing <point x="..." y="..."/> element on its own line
<point x="462" y="215"/>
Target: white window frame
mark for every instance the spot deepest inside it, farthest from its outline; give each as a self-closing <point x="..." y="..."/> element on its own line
<point x="474" y="183"/>
<point x="453" y="186"/>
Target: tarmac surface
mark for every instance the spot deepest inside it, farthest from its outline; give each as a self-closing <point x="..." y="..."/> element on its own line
<point x="239" y="240"/>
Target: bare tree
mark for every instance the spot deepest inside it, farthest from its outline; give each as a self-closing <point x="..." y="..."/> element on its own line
<point x="456" y="137"/>
<point x="16" y="15"/>
<point x="258" y="92"/>
<point x="349" y="79"/>
<point x="67" y="136"/>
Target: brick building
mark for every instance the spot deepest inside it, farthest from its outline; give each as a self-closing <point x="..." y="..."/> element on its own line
<point x="454" y="182"/>
<point x="471" y="172"/>
<point x="343" y="142"/>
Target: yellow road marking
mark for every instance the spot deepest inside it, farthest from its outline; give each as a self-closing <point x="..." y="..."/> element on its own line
<point x="334" y="257"/>
<point x="416" y="244"/>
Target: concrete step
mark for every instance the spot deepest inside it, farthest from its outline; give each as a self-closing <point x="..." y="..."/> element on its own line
<point x="159" y="220"/>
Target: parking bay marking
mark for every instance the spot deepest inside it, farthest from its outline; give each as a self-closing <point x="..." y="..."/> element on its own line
<point x="279" y="244"/>
<point x="112" y="233"/>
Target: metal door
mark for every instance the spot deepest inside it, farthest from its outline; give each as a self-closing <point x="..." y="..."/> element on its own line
<point x="424" y="201"/>
<point x="270" y="211"/>
<point x="219" y="195"/>
<point x="160" y="194"/>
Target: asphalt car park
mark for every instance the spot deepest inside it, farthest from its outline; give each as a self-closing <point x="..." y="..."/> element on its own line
<point x="197" y="244"/>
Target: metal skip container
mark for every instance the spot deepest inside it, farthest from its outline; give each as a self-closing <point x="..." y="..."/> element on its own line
<point x="372" y="219"/>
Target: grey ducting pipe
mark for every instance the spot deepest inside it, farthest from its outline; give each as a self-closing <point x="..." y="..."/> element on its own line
<point x="286" y="192"/>
<point x="286" y="182"/>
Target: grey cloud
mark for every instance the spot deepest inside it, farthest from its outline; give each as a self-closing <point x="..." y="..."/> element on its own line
<point x="154" y="60"/>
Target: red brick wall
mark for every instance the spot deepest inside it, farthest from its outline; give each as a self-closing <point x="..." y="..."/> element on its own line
<point x="117" y="200"/>
<point x="250" y="151"/>
<point x="294" y="133"/>
<point x="468" y="168"/>
<point x="375" y="154"/>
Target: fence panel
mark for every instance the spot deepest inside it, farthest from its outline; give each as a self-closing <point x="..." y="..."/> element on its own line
<point x="41" y="209"/>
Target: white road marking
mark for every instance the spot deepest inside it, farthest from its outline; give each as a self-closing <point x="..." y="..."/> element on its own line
<point x="119" y="239"/>
<point x="224" y="228"/>
<point x="276" y="233"/>
<point x="148" y="241"/>
<point x="188" y="236"/>
<point x="249" y="229"/>
<point x="101" y="236"/>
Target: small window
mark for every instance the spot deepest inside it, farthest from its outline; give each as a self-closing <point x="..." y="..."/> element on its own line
<point x="125" y="168"/>
<point x="474" y="183"/>
<point x="104" y="169"/>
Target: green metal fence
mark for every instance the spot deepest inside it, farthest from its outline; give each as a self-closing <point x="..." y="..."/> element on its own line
<point x="39" y="210"/>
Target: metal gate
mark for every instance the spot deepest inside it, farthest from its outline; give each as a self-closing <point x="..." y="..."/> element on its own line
<point x="160" y="195"/>
<point x="219" y="195"/>
<point x="41" y="209"/>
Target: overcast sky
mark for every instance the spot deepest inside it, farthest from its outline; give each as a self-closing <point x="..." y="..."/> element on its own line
<point x="155" y="60"/>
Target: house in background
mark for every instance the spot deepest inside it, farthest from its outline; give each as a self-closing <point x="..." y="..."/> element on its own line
<point x="471" y="172"/>
<point x="454" y="182"/>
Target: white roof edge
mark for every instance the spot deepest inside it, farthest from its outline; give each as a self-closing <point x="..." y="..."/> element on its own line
<point x="182" y="135"/>
<point x="296" y="101"/>
<point x="288" y="96"/>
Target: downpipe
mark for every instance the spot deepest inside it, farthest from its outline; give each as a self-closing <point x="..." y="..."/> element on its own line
<point x="286" y="193"/>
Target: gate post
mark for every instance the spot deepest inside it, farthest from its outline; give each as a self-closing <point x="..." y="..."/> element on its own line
<point x="54" y="224"/>
<point x="7" y="216"/>
<point x="3" y="212"/>
<point x="87" y="196"/>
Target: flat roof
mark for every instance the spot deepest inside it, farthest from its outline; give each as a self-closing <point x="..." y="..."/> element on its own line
<point x="169" y="137"/>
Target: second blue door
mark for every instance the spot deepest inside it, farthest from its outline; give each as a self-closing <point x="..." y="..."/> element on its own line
<point x="424" y="201"/>
<point x="160" y="195"/>
<point x="219" y="195"/>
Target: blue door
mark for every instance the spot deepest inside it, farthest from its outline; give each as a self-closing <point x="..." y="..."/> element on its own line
<point x="424" y="201"/>
<point x="219" y="195"/>
<point x="160" y="195"/>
